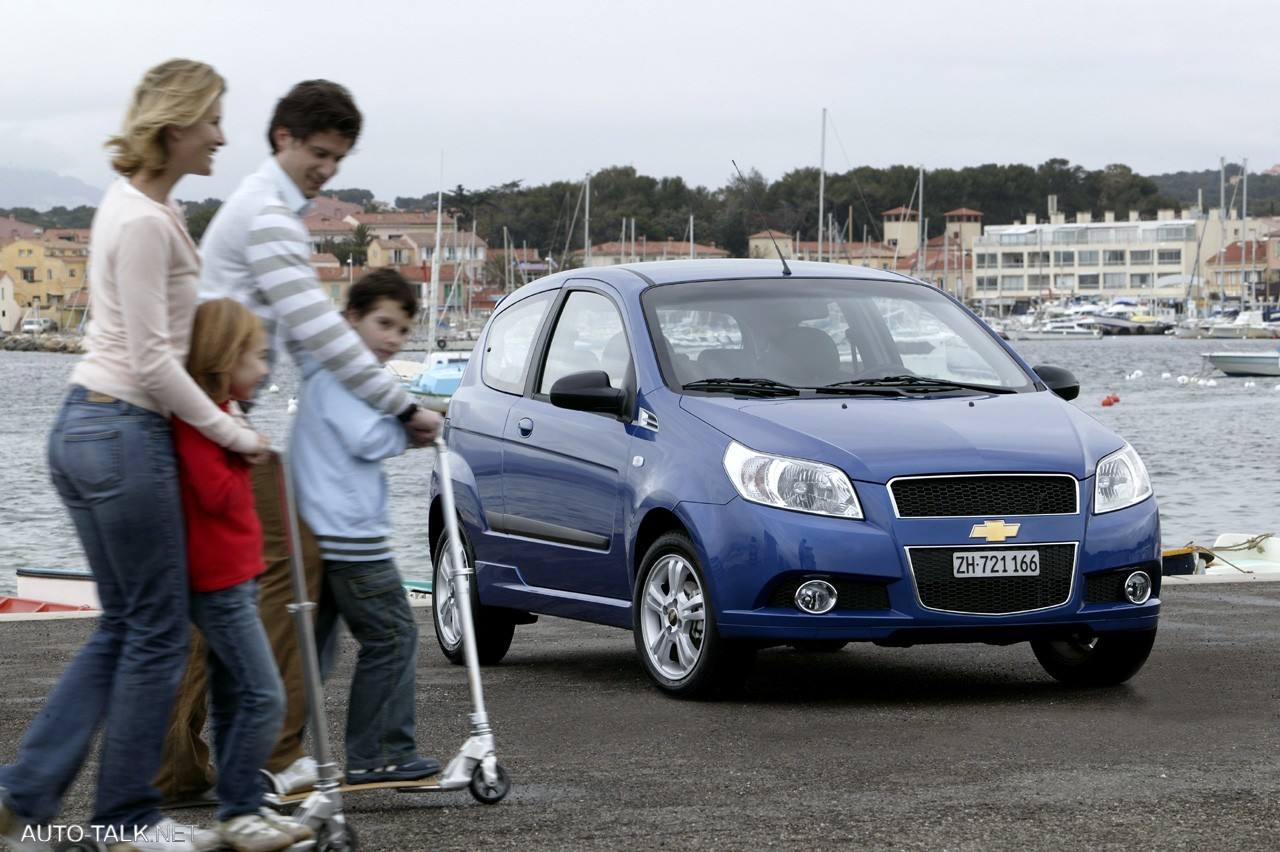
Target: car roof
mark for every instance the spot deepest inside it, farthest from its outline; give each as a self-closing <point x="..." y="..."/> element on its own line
<point x="676" y="271"/>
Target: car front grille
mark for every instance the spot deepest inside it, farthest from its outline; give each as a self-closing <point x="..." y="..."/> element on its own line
<point x="984" y="496"/>
<point x="939" y="589"/>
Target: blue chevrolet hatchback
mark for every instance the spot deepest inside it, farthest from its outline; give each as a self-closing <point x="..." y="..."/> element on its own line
<point x="726" y="455"/>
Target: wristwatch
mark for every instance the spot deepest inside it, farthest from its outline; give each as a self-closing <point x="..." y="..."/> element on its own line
<point x="407" y="415"/>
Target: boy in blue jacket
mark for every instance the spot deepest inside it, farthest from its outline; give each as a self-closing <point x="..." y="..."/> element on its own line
<point x="338" y="444"/>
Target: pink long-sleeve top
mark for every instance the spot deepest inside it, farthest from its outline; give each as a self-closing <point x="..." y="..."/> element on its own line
<point x="145" y="272"/>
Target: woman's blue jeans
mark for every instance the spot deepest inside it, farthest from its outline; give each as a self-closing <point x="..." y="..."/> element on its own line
<point x="114" y="467"/>
<point x="245" y="693"/>
<point x="370" y="598"/>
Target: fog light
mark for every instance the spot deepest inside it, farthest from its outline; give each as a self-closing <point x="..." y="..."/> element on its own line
<point x="816" y="596"/>
<point x="1137" y="587"/>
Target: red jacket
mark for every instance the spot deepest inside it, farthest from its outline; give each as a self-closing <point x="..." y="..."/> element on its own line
<point x="224" y="535"/>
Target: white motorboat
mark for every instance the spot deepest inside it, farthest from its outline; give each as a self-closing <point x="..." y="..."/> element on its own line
<point x="433" y="381"/>
<point x="1082" y="329"/>
<point x="1247" y="325"/>
<point x="1261" y="363"/>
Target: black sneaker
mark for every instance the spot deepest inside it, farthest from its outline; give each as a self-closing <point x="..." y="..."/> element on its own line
<point x="414" y="770"/>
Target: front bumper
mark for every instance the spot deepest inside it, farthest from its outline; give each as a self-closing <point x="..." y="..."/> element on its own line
<point x="756" y="555"/>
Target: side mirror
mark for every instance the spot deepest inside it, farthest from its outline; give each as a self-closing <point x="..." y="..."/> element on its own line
<point x="1060" y="380"/>
<point x="588" y="391"/>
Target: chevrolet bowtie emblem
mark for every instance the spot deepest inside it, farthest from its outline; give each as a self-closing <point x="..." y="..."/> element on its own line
<point x="994" y="530"/>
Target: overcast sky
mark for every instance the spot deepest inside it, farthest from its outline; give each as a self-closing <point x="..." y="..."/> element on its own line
<point x="543" y="90"/>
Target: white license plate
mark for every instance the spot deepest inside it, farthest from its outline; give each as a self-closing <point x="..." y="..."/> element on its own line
<point x="996" y="563"/>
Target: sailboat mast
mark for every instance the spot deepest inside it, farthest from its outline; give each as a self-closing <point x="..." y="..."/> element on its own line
<point x="822" y="179"/>
<point x="920" y="256"/>
<point x="586" y="224"/>
<point x="1244" y="233"/>
<point x="435" y="260"/>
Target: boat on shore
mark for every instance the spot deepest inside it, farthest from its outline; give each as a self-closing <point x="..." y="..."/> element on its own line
<point x="1261" y="363"/>
<point x="54" y="592"/>
<point x="61" y="586"/>
<point x="1232" y="554"/>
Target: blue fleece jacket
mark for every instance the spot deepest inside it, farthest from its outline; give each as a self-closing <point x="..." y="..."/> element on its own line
<point x="337" y="445"/>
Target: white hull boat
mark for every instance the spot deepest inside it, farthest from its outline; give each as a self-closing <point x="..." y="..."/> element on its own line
<point x="1245" y="363"/>
<point x="1083" y="330"/>
<point x="58" y="590"/>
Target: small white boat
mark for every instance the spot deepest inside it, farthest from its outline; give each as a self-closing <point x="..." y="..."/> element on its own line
<point x="1247" y="325"/>
<point x="433" y="381"/>
<point x="1261" y="363"/>
<point x="60" y="589"/>
<point x="1082" y="329"/>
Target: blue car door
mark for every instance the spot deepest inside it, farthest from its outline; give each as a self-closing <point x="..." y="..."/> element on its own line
<point x="563" y="470"/>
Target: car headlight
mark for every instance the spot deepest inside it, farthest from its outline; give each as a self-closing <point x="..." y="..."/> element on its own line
<point x="1121" y="481"/>
<point x="804" y="486"/>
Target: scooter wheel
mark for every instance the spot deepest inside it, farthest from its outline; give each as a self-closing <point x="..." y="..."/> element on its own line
<point x="326" y="843"/>
<point x="486" y="793"/>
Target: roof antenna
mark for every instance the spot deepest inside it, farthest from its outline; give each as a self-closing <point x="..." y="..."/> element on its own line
<point x="786" y="270"/>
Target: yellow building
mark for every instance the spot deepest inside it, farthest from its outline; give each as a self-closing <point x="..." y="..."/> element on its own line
<point x="46" y="272"/>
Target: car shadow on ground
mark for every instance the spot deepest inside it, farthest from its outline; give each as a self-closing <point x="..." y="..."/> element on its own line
<point x="860" y="675"/>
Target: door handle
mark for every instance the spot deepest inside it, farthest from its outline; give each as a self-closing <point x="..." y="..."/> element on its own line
<point x="525" y="427"/>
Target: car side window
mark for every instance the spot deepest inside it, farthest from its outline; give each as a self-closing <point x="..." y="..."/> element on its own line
<point x="510" y="341"/>
<point x="586" y="337"/>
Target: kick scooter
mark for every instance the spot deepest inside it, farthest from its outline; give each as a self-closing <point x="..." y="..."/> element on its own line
<point x="474" y="767"/>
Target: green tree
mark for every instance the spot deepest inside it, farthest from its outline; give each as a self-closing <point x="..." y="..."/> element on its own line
<point x="363" y="197"/>
<point x="357" y="245"/>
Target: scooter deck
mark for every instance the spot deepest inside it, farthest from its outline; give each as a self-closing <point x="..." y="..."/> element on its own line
<point x="425" y="785"/>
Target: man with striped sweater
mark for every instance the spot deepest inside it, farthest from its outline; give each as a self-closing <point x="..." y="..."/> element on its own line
<point x="258" y="251"/>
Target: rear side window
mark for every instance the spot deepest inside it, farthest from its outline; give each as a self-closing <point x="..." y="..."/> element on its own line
<point x="510" y="341"/>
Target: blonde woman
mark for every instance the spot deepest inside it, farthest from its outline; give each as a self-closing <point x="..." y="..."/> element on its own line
<point x="111" y="456"/>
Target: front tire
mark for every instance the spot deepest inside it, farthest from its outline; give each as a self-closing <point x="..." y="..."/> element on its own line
<point x="1107" y="659"/>
<point x="675" y="628"/>
<point x="494" y="627"/>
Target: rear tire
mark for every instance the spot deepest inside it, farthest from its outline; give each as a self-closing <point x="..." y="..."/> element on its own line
<point x="494" y="626"/>
<point x="675" y="628"/>
<point x="1106" y="660"/>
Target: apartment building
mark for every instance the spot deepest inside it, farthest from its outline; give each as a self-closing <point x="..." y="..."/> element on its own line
<point x="636" y="251"/>
<point x="1137" y="259"/>
<point x="46" y="272"/>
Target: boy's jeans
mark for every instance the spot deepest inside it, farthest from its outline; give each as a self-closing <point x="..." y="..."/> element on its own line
<point x="114" y="467"/>
<point x="246" y="695"/>
<point x="371" y="599"/>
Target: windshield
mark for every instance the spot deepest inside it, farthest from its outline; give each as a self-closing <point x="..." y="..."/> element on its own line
<point x="837" y="335"/>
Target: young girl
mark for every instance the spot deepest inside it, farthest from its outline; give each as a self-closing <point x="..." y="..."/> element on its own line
<point x="228" y="359"/>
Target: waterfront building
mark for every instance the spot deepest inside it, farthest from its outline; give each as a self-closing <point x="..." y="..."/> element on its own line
<point x="9" y="309"/>
<point x="1164" y="259"/>
<point x="46" y="272"/>
<point x="638" y="251"/>
<point x="12" y="229"/>
<point x="1239" y="272"/>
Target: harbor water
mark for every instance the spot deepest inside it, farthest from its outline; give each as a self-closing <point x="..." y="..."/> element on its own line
<point x="1203" y="445"/>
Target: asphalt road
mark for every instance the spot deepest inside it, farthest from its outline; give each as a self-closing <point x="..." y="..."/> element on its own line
<point x="937" y="747"/>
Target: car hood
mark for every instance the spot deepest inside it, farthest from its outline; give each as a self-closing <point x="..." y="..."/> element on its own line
<point x="877" y="439"/>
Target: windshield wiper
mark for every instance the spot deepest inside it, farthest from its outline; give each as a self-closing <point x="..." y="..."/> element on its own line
<point x="908" y="383"/>
<point x="746" y="387"/>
